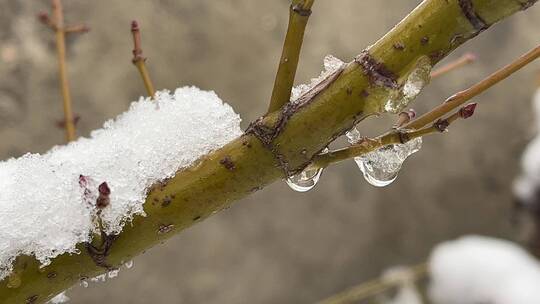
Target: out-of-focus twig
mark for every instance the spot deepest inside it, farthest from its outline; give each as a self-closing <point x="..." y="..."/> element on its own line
<point x="139" y="60"/>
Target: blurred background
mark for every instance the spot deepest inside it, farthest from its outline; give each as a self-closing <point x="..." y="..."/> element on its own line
<point x="276" y="246"/>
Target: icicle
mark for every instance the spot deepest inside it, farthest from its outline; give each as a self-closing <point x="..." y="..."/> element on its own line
<point x="417" y="79"/>
<point x="381" y="167"/>
<point x="305" y="180"/>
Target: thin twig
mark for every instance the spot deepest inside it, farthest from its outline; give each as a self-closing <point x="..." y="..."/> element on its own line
<point x="396" y="136"/>
<point x="373" y="287"/>
<point x="458" y="99"/>
<point x="58" y="22"/>
<point x="139" y="60"/>
<point x="288" y="64"/>
<point x="461" y="61"/>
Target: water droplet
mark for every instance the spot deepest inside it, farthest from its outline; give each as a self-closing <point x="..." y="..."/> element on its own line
<point x="305" y="180"/>
<point x="129" y="264"/>
<point x="381" y="167"/>
<point x="416" y="80"/>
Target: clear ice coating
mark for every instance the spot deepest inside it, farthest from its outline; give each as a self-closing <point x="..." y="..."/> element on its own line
<point x="380" y="168"/>
<point x="59" y="299"/>
<point x="330" y="63"/>
<point x="47" y="200"/>
<point x="416" y="80"/>
<point x="305" y="180"/>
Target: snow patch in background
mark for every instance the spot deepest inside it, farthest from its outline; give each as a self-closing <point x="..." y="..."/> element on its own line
<point x="45" y="212"/>
<point x="476" y="269"/>
<point x="527" y="184"/>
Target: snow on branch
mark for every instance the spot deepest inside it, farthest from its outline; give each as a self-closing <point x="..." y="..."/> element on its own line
<point x="48" y="201"/>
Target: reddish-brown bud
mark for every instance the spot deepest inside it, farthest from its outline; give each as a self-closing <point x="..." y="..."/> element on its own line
<point x="134" y="26"/>
<point x="467" y="111"/>
<point x="104" y="189"/>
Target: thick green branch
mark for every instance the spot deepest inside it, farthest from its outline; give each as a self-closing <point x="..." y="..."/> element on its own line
<point x="282" y="142"/>
<point x="299" y="13"/>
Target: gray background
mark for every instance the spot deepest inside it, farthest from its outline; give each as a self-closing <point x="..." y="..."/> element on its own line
<point x="276" y="246"/>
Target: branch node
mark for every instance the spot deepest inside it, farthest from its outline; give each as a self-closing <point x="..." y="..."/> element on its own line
<point x="441" y="125"/>
<point x="300" y="10"/>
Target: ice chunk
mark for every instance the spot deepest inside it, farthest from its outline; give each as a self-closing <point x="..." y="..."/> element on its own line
<point x="47" y="201"/>
<point x="476" y="269"/>
<point x="381" y="167"/>
<point x="331" y="64"/>
<point x="416" y="80"/>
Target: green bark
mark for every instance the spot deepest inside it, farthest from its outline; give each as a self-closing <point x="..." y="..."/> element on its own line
<point x="280" y="143"/>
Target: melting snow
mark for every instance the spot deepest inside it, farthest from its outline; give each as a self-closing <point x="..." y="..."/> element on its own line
<point x="46" y="207"/>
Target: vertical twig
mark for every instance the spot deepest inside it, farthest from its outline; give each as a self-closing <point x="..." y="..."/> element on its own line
<point x="298" y="18"/>
<point x="139" y="60"/>
<point x="58" y="21"/>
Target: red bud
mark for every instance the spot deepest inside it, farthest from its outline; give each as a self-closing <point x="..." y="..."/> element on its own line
<point x="467" y="111"/>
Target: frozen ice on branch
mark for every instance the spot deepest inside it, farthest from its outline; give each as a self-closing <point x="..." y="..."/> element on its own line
<point x="48" y="201"/>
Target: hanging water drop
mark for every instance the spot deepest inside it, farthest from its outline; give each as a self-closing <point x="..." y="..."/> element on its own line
<point x="417" y="79"/>
<point x="305" y="180"/>
<point x="381" y="167"/>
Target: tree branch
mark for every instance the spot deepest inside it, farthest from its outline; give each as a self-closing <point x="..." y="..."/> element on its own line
<point x="402" y="135"/>
<point x="460" y="98"/>
<point x="275" y="145"/>
<point x="299" y="13"/>
<point x="139" y="60"/>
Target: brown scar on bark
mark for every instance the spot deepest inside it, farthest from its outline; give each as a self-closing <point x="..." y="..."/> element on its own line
<point x="467" y="7"/>
<point x="376" y="71"/>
